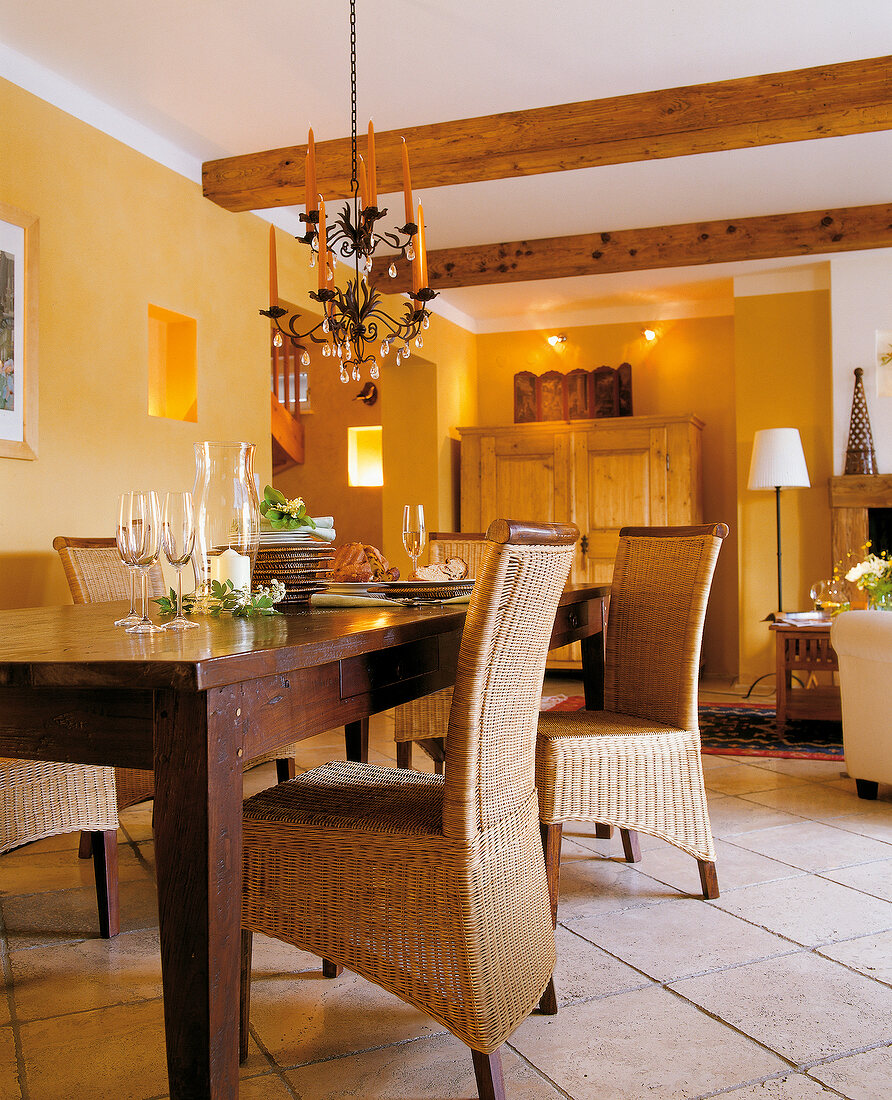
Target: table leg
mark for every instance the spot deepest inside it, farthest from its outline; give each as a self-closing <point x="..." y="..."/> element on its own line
<point x="198" y="848"/>
<point x="782" y="683"/>
<point x="356" y="740"/>
<point x="593" y="663"/>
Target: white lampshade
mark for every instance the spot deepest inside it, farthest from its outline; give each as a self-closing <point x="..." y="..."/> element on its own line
<point x="778" y="460"/>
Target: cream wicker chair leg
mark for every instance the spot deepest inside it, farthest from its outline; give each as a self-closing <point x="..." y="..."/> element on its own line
<point x="432" y="886"/>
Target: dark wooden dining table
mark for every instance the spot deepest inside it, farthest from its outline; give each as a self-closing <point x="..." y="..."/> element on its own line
<point x="195" y="706"/>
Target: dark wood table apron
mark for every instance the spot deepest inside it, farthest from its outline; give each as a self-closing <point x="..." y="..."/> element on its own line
<point x="195" y="706"/>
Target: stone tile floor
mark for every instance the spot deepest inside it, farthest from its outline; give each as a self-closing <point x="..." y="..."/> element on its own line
<point x="780" y="989"/>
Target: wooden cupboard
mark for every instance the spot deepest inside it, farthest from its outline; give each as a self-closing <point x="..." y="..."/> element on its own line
<point x="599" y="474"/>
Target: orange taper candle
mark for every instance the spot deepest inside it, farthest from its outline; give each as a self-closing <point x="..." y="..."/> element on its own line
<point x="422" y="251"/>
<point x="310" y="180"/>
<point x="407" y="183"/>
<point x="363" y="186"/>
<point x="373" y="182"/>
<point x="323" y="250"/>
<point x="273" y="269"/>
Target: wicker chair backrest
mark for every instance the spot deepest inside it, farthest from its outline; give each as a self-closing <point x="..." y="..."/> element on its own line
<point x="95" y="572"/>
<point x="458" y="544"/>
<point x="489" y="773"/>
<point x="658" y="597"/>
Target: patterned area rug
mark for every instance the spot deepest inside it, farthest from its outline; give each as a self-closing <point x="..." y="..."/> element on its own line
<point x="747" y="729"/>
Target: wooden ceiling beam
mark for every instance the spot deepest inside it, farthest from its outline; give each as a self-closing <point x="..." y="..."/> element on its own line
<point x="801" y="234"/>
<point x="825" y="101"/>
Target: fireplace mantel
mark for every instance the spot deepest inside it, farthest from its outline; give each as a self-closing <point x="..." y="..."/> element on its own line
<point x="850" y="497"/>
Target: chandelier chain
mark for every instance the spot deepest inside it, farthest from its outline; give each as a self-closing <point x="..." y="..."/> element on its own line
<point x="354" y="182"/>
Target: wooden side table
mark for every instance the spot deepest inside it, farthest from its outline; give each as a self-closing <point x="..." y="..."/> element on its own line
<point x="805" y="649"/>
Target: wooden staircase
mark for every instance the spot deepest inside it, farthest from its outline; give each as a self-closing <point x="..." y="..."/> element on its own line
<point x="286" y="427"/>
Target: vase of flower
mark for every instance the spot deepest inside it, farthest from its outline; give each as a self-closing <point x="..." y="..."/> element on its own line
<point x="227" y="515"/>
<point x="873" y="576"/>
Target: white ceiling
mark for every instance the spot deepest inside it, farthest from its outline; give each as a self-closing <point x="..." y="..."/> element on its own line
<point x="191" y="80"/>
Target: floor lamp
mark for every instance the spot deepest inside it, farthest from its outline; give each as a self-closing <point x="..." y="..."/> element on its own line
<point x="778" y="462"/>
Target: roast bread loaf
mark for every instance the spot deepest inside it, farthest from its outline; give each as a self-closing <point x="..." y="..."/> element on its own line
<point x="453" y="569"/>
<point x="358" y="561"/>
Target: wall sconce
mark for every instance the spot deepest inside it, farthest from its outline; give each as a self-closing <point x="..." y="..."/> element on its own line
<point x="365" y="462"/>
<point x="557" y="340"/>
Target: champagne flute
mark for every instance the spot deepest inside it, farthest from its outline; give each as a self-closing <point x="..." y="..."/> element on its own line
<point x="178" y="540"/>
<point x="143" y="534"/>
<point x="125" y="552"/>
<point x="414" y="535"/>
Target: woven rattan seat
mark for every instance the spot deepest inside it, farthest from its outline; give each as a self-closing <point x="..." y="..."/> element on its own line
<point x="636" y="764"/>
<point x="433" y="886"/>
<point x="424" y="721"/>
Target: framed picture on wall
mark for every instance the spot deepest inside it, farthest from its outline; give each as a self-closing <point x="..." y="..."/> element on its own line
<point x="18" y="333"/>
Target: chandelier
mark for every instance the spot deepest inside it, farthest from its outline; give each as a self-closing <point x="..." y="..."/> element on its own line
<point x="353" y="318"/>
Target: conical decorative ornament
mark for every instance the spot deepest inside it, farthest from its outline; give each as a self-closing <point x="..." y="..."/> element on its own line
<point x="860" y="456"/>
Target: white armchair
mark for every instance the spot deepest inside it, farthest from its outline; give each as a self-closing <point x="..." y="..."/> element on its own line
<point x="863" y="644"/>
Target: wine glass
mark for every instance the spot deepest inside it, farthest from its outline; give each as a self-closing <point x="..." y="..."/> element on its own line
<point x="141" y="531"/>
<point x="125" y="506"/>
<point x="178" y="540"/>
<point x="817" y="592"/>
<point x="414" y="535"/>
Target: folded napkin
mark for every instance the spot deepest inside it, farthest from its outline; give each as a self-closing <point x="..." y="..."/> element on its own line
<point x="302" y="534"/>
<point x="334" y="599"/>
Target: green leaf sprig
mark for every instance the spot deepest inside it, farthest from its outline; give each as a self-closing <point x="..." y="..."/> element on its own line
<point x="223" y="597"/>
<point x="284" y="514"/>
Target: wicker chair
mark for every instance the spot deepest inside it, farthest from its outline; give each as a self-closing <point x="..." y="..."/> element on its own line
<point x="636" y="764"/>
<point x="40" y="799"/>
<point x="432" y="886"/>
<point x="424" y="721"/>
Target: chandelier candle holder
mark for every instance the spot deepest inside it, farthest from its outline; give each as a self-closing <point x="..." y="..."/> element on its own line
<point x="353" y="318"/>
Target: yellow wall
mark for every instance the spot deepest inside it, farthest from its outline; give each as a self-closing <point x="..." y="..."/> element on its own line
<point x="783" y="370"/>
<point x="424" y="400"/>
<point x="117" y="232"/>
<point x="688" y="369"/>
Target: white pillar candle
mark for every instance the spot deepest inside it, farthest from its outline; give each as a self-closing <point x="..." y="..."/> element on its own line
<point x="232" y="566"/>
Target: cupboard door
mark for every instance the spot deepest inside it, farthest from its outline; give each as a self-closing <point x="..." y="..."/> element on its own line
<point x="621" y="481"/>
<point x="524" y="478"/>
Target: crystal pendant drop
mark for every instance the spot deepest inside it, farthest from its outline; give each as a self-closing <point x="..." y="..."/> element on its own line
<point x="305" y="357"/>
<point x="407" y="351"/>
<point x="326" y="327"/>
<point x="419" y="341"/>
<point x="426" y="323"/>
<point x="410" y="252"/>
<point x="345" y="377"/>
<point x="368" y="265"/>
<point x="355" y="372"/>
<point x="373" y="369"/>
<point x="312" y="259"/>
<point x="391" y="271"/>
<point x="326" y="351"/>
<point x="385" y="348"/>
<point x="340" y="351"/>
<point x="278" y="341"/>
